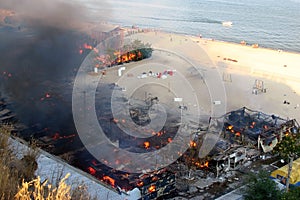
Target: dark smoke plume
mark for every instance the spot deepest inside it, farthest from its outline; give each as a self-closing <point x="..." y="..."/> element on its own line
<point x="54" y="13"/>
<point x="39" y="56"/>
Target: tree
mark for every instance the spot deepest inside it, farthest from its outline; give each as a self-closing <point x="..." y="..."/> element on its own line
<point x="260" y="187"/>
<point x="112" y="56"/>
<point x="292" y="194"/>
<point x="289" y="149"/>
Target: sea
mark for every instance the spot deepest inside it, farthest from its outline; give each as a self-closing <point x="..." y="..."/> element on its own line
<point x="272" y="24"/>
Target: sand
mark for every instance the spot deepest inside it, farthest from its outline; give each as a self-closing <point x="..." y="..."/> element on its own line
<point x="233" y="68"/>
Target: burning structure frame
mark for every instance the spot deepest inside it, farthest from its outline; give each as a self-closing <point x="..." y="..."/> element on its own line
<point x="246" y="135"/>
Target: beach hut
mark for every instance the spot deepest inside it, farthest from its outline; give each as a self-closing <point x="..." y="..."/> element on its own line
<point x="281" y="174"/>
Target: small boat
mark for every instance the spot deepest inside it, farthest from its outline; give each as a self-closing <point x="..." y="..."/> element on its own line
<point x="227" y="23"/>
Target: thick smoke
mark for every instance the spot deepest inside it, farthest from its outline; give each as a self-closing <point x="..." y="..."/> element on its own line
<point x="39" y="56"/>
<point x="54" y="13"/>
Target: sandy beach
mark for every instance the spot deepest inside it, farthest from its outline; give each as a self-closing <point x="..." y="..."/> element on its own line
<point x="235" y="68"/>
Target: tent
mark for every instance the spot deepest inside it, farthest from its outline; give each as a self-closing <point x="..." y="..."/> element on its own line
<point x="281" y="174"/>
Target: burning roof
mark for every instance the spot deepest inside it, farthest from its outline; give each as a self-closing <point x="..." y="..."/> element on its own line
<point x="251" y="126"/>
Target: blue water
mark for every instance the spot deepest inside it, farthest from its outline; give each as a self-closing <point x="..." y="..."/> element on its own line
<point x="270" y="23"/>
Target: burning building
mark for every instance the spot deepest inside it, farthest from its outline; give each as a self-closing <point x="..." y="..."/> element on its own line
<point x="246" y="135"/>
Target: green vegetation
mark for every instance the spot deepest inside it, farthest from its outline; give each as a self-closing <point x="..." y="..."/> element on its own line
<point x="289" y="149"/>
<point x="260" y="187"/>
<point x="134" y="51"/>
<point x="291" y="195"/>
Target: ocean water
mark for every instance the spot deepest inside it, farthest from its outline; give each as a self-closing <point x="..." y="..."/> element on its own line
<point x="270" y="23"/>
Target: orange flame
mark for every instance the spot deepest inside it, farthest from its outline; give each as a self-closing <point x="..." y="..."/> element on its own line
<point x="140" y="184"/>
<point x="204" y="165"/>
<point x="146" y="145"/>
<point x="287" y="133"/>
<point x="92" y="171"/>
<point x="110" y="180"/>
<point x="159" y="133"/>
<point x="152" y="188"/>
<point x="252" y="124"/>
<point x="193" y="144"/>
<point x="126" y="57"/>
<point x="86" y="46"/>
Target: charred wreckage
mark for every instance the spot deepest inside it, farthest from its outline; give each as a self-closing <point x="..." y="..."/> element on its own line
<point x="246" y="135"/>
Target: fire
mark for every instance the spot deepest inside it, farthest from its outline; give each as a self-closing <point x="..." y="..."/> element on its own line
<point x="86" y="46"/>
<point x="92" y="171"/>
<point x="287" y="133"/>
<point x="204" y="165"/>
<point x="238" y="134"/>
<point x="127" y="57"/>
<point x="252" y="124"/>
<point x="56" y="136"/>
<point x="193" y="144"/>
<point x="47" y="95"/>
<point x="159" y="133"/>
<point x="170" y="140"/>
<point x="146" y="145"/>
<point x="152" y="188"/>
<point x="140" y="184"/>
<point x="230" y="128"/>
<point x="110" y="180"/>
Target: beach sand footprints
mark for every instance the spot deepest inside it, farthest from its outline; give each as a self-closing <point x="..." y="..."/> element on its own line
<point x="155" y="102"/>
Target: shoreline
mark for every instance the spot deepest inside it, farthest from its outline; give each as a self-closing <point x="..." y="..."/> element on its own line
<point x="203" y="37"/>
<point x="243" y="65"/>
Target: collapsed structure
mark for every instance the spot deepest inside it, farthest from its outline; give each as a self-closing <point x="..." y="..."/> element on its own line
<point x="248" y="134"/>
